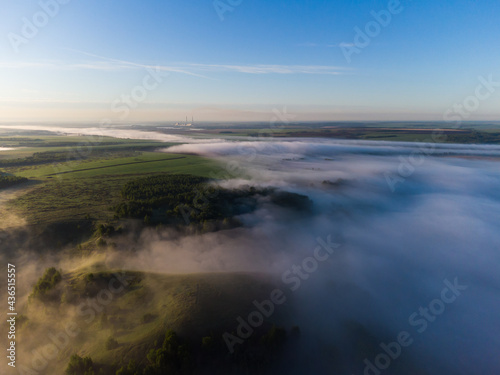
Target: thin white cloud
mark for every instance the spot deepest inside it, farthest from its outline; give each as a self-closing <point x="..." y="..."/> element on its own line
<point x="345" y="45"/>
<point x="120" y="64"/>
<point x="58" y="65"/>
<point x="110" y="64"/>
<point x="272" y="69"/>
<point x="331" y="45"/>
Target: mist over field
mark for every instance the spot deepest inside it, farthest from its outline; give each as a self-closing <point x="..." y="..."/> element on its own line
<point x="102" y="130"/>
<point x="408" y="221"/>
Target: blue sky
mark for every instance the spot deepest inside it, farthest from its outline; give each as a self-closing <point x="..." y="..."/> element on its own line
<point x="263" y="55"/>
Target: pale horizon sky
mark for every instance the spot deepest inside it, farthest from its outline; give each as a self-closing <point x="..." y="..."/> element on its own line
<point x="156" y="61"/>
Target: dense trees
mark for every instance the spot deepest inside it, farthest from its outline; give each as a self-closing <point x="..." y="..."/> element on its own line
<point x="46" y="283"/>
<point x="176" y="356"/>
<point x="80" y="366"/>
<point x="181" y="199"/>
<point x="184" y="199"/>
<point x="8" y="181"/>
<point x="173" y="357"/>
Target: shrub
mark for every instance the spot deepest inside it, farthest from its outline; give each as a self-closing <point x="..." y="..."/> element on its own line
<point x="47" y="282"/>
<point x="8" y="181"/>
<point x="148" y="318"/>
<point x="111" y="343"/>
<point x="80" y="366"/>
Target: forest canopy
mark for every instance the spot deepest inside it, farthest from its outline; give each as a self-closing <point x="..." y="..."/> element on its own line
<point x="182" y="199"/>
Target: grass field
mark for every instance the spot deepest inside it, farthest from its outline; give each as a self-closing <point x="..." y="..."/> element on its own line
<point x="62" y="140"/>
<point x="90" y="188"/>
<point x="27" y="145"/>
<point x="86" y="188"/>
<point x="389" y="133"/>
<point x="147" y="162"/>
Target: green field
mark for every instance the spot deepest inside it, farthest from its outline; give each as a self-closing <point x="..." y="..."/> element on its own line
<point x="76" y="190"/>
<point x="391" y="132"/>
<point x="27" y="145"/>
<point x="86" y="188"/>
<point x="147" y="162"/>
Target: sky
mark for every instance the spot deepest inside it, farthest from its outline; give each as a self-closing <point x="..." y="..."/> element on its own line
<point x="241" y="60"/>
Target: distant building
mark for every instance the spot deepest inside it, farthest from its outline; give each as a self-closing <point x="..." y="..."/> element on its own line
<point x="185" y="123"/>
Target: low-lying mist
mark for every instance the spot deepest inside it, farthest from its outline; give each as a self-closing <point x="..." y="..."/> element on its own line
<point x="417" y="236"/>
<point x="409" y="222"/>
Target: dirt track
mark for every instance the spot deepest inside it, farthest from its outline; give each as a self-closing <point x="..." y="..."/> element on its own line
<point x="115" y="165"/>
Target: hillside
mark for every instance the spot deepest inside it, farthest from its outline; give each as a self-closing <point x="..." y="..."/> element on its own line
<point x="114" y="325"/>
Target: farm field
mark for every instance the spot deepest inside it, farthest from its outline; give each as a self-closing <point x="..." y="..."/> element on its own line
<point x="405" y="134"/>
<point x="80" y="188"/>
